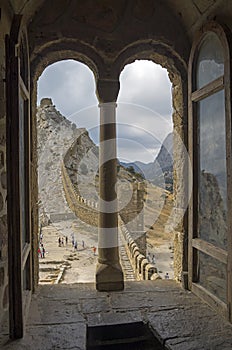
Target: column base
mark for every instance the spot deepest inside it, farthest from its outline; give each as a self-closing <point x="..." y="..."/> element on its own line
<point x="109" y="278"/>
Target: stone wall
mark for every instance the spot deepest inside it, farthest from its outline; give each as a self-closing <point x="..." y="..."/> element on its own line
<point x="133" y="216"/>
<point x="181" y="179"/>
<point x="140" y="238"/>
<point x="143" y="270"/>
<point x="84" y="210"/>
<point x="62" y="217"/>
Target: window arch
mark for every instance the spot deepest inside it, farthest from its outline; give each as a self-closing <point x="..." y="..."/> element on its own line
<point x="210" y="60"/>
<point x="209" y="146"/>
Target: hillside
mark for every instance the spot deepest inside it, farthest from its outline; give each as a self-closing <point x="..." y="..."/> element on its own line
<point x="56" y="135"/>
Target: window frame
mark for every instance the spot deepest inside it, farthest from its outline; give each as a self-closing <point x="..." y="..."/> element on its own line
<point x="195" y="95"/>
<point x="19" y="165"/>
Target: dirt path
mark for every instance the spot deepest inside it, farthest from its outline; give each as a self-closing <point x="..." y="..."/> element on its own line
<point x="80" y="262"/>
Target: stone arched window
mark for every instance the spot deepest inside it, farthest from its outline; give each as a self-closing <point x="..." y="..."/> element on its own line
<point x="210" y="151"/>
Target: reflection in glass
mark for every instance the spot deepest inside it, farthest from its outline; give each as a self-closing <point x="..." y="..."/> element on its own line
<point x="212" y="210"/>
<point x="210" y="63"/>
<point x="22" y="168"/>
<point x="213" y="276"/>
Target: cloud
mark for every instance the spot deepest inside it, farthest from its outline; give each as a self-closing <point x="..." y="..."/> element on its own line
<point x="147" y="84"/>
<point x="130" y="150"/>
<point x="71" y="85"/>
<point x="144" y="106"/>
<point x="145" y="119"/>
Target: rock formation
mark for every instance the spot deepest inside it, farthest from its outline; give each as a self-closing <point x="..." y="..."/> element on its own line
<point x="56" y="135"/>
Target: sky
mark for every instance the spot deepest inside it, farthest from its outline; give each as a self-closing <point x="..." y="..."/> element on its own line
<point x="144" y="104"/>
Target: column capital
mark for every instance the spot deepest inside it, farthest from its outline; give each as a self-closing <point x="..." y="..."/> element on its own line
<point x="107" y="104"/>
<point x="107" y="90"/>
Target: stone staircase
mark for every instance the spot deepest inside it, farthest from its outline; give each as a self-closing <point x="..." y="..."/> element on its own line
<point x="125" y="262"/>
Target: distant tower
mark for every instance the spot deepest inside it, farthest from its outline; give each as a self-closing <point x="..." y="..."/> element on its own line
<point x="46" y="102"/>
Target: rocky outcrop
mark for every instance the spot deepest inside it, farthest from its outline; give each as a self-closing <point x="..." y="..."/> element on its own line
<point x="56" y="135"/>
<point x="81" y="162"/>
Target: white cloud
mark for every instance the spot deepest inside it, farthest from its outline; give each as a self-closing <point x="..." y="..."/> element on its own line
<point x="70" y="84"/>
<point x="147" y="84"/>
<point x="143" y="107"/>
<point x="130" y="150"/>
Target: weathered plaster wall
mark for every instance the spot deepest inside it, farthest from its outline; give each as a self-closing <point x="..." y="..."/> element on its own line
<point x="107" y="28"/>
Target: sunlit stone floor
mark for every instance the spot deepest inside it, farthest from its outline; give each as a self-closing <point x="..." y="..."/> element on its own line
<point x="59" y="316"/>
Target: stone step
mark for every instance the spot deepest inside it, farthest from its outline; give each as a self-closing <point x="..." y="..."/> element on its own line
<point x="125" y="262"/>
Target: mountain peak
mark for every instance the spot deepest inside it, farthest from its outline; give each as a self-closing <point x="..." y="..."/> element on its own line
<point x="161" y="170"/>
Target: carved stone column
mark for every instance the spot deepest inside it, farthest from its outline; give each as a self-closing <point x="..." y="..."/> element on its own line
<point x="109" y="275"/>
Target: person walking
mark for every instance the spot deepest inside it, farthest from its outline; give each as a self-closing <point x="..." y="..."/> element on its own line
<point x="43" y="252"/>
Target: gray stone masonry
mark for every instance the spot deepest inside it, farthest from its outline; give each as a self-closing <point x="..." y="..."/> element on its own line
<point x="59" y="315"/>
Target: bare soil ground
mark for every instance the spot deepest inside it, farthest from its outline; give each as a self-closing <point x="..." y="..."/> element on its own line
<point x="81" y="263"/>
<point x="159" y="238"/>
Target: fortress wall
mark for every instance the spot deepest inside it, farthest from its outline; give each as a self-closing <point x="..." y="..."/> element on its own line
<point x="142" y="268"/>
<point x="78" y="204"/>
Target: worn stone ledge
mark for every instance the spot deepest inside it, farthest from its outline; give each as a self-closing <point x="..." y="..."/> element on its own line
<point x="60" y="314"/>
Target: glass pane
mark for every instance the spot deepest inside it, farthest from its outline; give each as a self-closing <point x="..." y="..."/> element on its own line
<point x="213" y="276"/>
<point x="26" y="275"/>
<point x="22" y="168"/>
<point x="212" y="210"/>
<point x="210" y="63"/>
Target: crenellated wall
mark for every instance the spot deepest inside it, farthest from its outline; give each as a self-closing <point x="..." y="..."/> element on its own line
<point x="84" y="209"/>
<point x="143" y="270"/>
